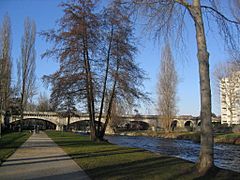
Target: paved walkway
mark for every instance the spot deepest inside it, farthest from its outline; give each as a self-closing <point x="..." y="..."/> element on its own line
<point x="40" y="158"/>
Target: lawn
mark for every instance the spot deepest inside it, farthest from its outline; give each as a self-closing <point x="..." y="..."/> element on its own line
<point x="107" y="161"/>
<point x="10" y="142"/>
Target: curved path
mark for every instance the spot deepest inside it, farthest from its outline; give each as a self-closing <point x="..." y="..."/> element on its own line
<point x="40" y="158"/>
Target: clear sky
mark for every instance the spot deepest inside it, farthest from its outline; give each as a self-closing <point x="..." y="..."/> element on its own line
<point x="46" y="12"/>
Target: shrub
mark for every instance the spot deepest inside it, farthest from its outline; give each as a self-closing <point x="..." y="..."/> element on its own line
<point x="222" y="128"/>
<point x="236" y="129"/>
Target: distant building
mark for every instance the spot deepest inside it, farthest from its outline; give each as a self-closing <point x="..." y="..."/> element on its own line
<point x="230" y="99"/>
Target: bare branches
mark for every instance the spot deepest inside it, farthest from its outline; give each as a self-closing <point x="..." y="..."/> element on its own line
<point x="5" y="63"/>
<point x="96" y="54"/>
<point x="218" y="14"/>
<point x="27" y="64"/>
<point x="166" y="88"/>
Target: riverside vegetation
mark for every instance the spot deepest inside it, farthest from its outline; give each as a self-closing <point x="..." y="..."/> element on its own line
<point x="102" y="160"/>
<point x="228" y="138"/>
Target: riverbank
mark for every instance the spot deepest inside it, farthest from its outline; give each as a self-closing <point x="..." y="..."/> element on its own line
<point x="229" y="138"/>
<point x="10" y="142"/>
<point x="107" y="161"/>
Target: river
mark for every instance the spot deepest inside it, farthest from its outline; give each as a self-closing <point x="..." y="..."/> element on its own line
<point x="225" y="156"/>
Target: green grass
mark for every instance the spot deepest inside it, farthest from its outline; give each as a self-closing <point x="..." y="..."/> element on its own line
<point x="231" y="138"/>
<point x="107" y="161"/>
<point x="10" y="142"/>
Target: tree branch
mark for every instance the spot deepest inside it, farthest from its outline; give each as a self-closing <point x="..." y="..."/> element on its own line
<point x="220" y="14"/>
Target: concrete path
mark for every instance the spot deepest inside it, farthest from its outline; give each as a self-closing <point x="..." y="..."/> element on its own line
<point x="40" y="158"/>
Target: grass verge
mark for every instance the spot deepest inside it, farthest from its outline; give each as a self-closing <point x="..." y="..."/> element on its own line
<point x="10" y="142"/>
<point x="231" y="138"/>
<point x="107" y="161"/>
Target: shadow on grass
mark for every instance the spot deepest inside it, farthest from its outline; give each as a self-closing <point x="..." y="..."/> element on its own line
<point x="105" y="153"/>
<point x="107" y="161"/>
<point x="156" y="167"/>
<point x="9" y="141"/>
<point x="52" y="158"/>
<point x="218" y="173"/>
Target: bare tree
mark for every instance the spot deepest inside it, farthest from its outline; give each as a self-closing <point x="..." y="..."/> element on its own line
<point x="168" y="17"/>
<point x="76" y="48"/>
<point x="96" y="55"/>
<point x="27" y="65"/>
<point x="166" y="88"/>
<point x="227" y="78"/>
<point x="5" y="65"/>
<point x="43" y="103"/>
<point x="123" y="78"/>
<point x="116" y="119"/>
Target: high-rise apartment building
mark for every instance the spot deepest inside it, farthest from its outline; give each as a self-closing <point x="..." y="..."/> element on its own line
<point x="230" y="99"/>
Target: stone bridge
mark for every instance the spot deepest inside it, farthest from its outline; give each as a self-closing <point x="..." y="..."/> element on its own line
<point x="152" y="120"/>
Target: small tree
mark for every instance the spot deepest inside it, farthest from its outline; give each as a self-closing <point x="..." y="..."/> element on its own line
<point x="43" y="103"/>
<point x="167" y="88"/>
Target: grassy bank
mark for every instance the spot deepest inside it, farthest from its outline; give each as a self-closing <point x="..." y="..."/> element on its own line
<point x="231" y="138"/>
<point x="10" y="142"/>
<point x="172" y="135"/>
<point x="107" y="161"/>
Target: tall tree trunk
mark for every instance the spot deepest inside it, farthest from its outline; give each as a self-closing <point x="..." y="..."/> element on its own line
<point x="22" y="105"/>
<point x="68" y="121"/>
<point x="90" y="104"/>
<point x="90" y="96"/>
<point x="105" y="81"/>
<point x="109" y="111"/>
<point x="206" y="150"/>
<point x="108" y="115"/>
<point x="231" y="117"/>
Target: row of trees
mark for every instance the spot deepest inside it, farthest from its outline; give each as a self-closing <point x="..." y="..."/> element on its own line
<point x="95" y="52"/>
<point x="15" y="98"/>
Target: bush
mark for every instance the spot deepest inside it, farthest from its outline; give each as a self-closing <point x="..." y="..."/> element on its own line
<point x="222" y="128"/>
<point x="236" y="129"/>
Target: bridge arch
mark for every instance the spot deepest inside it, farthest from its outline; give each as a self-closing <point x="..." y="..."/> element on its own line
<point x="31" y="123"/>
<point x="137" y="125"/>
<point x="82" y="125"/>
<point x="174" y="124"/>
<point x="199" y="123"/>
<point x="189" y="124"/>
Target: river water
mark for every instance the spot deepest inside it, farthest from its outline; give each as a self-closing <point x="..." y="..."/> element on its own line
<point x="226" y="156"/>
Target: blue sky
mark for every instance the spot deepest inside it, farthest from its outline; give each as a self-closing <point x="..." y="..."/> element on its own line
<point x="46" y="12"/>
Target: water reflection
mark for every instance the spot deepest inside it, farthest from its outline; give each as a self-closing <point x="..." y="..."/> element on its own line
<point x="226" y="156"/>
